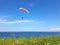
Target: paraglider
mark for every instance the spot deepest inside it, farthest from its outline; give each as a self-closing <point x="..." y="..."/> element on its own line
<point x="25" y="10"/>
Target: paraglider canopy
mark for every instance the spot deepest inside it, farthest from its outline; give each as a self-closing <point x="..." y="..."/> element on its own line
<point x="24" y="9"/>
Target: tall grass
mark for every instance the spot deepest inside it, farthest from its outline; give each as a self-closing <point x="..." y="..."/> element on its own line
<point x="46" y="40"/>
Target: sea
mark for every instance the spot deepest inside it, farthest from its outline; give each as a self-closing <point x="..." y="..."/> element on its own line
<point x="27" y="34"/>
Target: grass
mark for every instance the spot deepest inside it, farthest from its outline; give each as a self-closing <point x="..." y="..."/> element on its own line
<point x="47" y="40"/>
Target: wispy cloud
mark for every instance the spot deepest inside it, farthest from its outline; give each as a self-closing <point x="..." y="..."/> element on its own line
<point x="45" y="29"/>
<point x="55" y="29"/>
<point x="4" y="16"/>
<point x="14" y="22"/>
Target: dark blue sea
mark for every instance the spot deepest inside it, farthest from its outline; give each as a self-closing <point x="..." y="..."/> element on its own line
<point x="27" y="34"/>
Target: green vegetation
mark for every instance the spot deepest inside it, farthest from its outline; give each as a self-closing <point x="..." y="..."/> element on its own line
<point x="47" y="40"/>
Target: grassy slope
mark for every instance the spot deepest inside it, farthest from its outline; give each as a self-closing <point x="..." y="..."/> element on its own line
<point x="48" y="40"/>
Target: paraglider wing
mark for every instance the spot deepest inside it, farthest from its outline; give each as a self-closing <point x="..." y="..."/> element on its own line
<point x="24" y="9"/>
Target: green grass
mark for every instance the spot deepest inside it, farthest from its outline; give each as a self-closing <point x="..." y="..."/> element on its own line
<point x="47" y="40"/>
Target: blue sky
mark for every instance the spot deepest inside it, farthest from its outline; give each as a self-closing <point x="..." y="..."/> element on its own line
<point x="44" y="15"/>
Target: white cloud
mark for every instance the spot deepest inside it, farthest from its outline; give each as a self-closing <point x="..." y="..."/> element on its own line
<point x="50" y="29"/>
<point x="46" y="29"/>
<point x="4" y="16"/>
<point x="16" y="21"/>
<point x="55" y="29"/>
